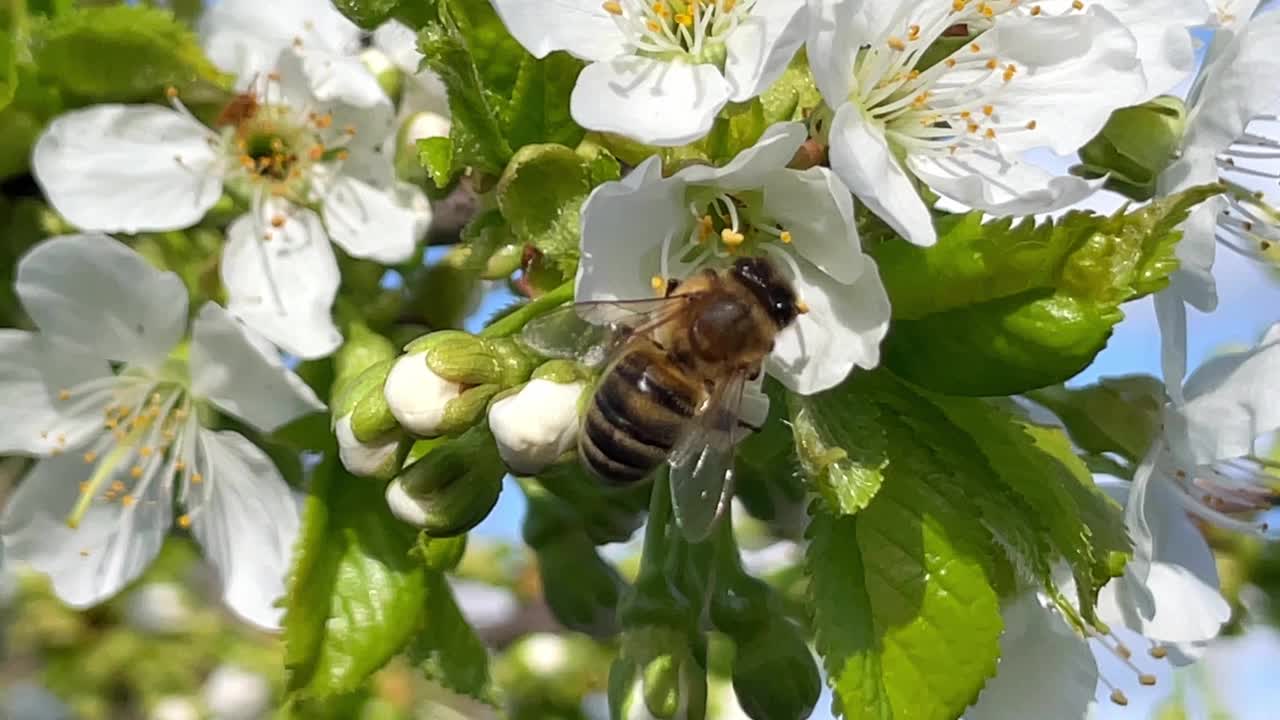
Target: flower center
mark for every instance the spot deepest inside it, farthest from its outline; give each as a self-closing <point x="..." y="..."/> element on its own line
<point x="1230" y="493"/>
<point x="723" y="226"/>
<point x="1249" y="224"/>
<point x="952" y="104"/>
<point x="694" y="29"/>
<point x="147" y="434"/>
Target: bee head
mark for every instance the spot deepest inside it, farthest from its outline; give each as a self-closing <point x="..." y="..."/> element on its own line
<point x="769" y="287"/>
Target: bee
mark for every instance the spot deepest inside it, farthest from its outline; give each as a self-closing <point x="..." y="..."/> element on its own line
<point x="675" y="382"/>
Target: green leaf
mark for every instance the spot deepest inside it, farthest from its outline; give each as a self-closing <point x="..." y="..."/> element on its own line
<point x="539" y="107"/>
<point x="33" y="105"/>
<point x="1119" y="414"/>
<point x="841" y="444"/>
<point x="497" y="55"/>
<point x="436" y="155"/>
<point x="1056" y="489"/>
<point x="906" y="620"/>
<point x="1001" y="308"/>
<point x="10" y="44"/>
<point x="447" y="648"/>
<point x="355" y="596"/>
<point x="540" y="194"/>
<point x="121" y="53"/>
<point x="474" y="132"/>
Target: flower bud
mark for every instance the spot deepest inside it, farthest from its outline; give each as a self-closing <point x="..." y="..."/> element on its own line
<point x="469" y="360"/>
<point x="378" y="458"/>
<point x="362" y="349"/>
<point x="389" y="77"/>
<point x="417" y="396"/>
<point x="1135" y="146"/>
<point x="463" y="411"/>
<point x="774" y="674"/>
<point x="536" y="425"/>
<point x="452" y="488"/>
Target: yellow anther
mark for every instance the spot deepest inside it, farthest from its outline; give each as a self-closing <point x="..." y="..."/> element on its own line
<point x="64" y="394"/>
<point x="705" y="228"/>
<point x="349" y="130"/>
<point x="184" y="521"/>
<point x="145" y="451"/>
<point x="785" y="237"/>
<point x="731" y="237"/>
<point x="973" y="127"/>
<point x="196" y="478"/>
<point x="316" y="152"/>
<point x="992" y="64"/>
<point x="959" y="5"/>
<point x="652" y="26"/>
<point x="1158" y="652"/>
<point x="913" y="32"/>
<point x="896" y="43"/>
<point x="1035" y="10"/>
<point x="660" y="9"/>
<point x="1031" y="124"/>
<point x="84" y="553"/>
<point x="1077" y="4"/>
<point x="1009" y="72"/>
<point x="84" y="485"/>
<point x="966" y="114"/>
<point x="322" y="121"/>
<point x="951" y="62"/>
<point x="171" y="92"/>
<point x="1147" y="679"/>
<point x="1119" y="698"/>
<point x="802" y="307"/>
<point x="180" y="466"/>
<point x="135" y="472"/>
<point x="117" y="486"/>
<point x="988" y="110"/>
<point x="342" y="154"/>
<point x="128" y="500"/>
<point x="684" y="19"/>
<point x="975" y="47"/>
<point x="90" y="456"/>
<point x="612" y="7"/>
<point x="990" y="134"/>
<point x="657" y="283"/>
<point x="277" y="220"/>
<point x="986" y="10"/>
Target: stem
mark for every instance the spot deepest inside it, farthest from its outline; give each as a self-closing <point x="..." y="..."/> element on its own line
<point x="514" y="321"/>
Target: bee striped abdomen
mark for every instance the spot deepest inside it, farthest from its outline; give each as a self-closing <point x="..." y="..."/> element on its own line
<point x="636" y="415"/>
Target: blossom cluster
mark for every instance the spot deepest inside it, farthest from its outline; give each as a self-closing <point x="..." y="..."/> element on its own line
<point x="244" y="248"/>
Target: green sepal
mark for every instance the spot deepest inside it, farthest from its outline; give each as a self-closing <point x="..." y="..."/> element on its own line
<point x="774" y="674"/>
<point x="793" y="95"/>
<point x="371" y="417"/>
<point x="347" y="395"/>
<point x="457" y="483"/>
<point x="440" y="554"/>
<point x="463" y="358"/>
<point x="1135" y="146"/>
<point x="467" y="409"/>
<point x="361" y="349"/>
<point x="563" y="372"/>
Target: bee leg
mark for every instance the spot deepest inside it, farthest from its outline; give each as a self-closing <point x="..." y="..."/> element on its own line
<point x="672" y="284"/>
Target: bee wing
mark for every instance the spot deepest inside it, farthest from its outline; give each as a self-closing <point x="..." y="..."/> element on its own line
<point x="702" y="461"/>
<point x="590" y="331"/>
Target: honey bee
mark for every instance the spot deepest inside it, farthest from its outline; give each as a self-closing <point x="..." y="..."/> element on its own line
<point x="675" y="380"/>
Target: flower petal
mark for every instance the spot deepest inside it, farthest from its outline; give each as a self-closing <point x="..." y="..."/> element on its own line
<point x="32" y="372"/>
<point x="1171" y="315"/>
<point x="843" y="328"/>
<point x="1193" y="280"/>
<point x="1171" y="593"/>
<point x="623" y="224"/>
<point x="751" y="167"/>
<point x="1232" y="400"/>
<point x="400" y="44"/>
<point x="861" y="157"/>
<point x="1025" y="685"/>
<point x="372" y="216"/>
<point x="241" y="378"/>
<point x="760" y="48"/>
<point x="817" y="210"/>
<point x="246" y="520"/>
<point x="337" y="86"/>
<point x="580" y="26"/>
<point x="244" y="37"/>
<point x="651" y="101"/>
<point x="96" y="295"/>
<point x="111" y="546"/>
<point x="128" y="168"/>
<point x="1240" y="80"/>
<point x="837" y="31"/>
<point x="1060" y="64"/>
<point x="1000" y="186"/>
<point x="284" y="287"/>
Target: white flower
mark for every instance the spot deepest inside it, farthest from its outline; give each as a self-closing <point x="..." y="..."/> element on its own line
<point x="1169" y="590"/>
<point x="660" y="72"/>
<point x="405" y="507"/>
<point x="644" y="229"/>
<point x="1030" y="78"/>
<point x="283" y="149"/>
<point x="245" y="37"/>
<point x="423" y="91"/>
<point x="1232" y="136"/>
<point x="417" y="396"/>
<point x="536" y="425"/>
<point x="113" y="397"/>
<point x="159" y="608"/>
<point x="365" y="459"/>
